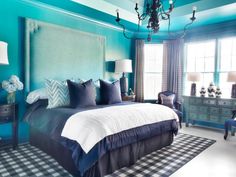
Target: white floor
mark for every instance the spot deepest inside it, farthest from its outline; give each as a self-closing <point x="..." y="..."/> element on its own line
<point x="219" y="160"/>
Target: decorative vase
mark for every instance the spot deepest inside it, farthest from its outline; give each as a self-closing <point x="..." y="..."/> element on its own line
<point x="218" y="92"/>
<point x="11" y="98"/>
<point x="211" y="90"/>
<point x="203" y="92"/>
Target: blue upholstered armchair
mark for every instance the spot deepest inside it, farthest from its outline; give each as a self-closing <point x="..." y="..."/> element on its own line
<point x="176" y="107"/>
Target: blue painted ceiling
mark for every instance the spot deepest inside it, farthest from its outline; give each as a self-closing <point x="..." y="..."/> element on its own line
<point x="208" y="11"/>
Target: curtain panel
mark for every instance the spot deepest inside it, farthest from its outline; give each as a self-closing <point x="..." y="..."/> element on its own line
<point x="139" y="71"/>
<point x="172" y="77"/>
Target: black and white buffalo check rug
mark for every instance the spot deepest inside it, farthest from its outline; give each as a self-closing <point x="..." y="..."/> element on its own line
<point x="28" y="161"/>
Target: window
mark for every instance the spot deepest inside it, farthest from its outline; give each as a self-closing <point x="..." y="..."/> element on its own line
<point x="227" y="62"/>
<point x="153" y="59"/>
<point x="200" y="57"/>
<point x="213" y="64"/>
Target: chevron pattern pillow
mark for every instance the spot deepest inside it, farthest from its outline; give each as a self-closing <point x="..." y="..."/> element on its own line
<point x="58" y="93"/>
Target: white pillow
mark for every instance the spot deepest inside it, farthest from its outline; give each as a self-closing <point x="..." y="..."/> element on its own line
<point x="36" y="95"/>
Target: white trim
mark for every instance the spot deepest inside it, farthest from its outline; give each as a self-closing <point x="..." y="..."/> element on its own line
<point x="57" y="9"/>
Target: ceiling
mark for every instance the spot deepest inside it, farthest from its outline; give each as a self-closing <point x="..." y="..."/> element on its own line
<point x="208" y="11"/>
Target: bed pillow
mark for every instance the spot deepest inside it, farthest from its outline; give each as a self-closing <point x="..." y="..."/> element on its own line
<point x="82" y="94"/>
<point x="167" y="100"/>
<point x="110" y="92"/>
<point x="58" y="93"/>
<point x="36" y="95"/>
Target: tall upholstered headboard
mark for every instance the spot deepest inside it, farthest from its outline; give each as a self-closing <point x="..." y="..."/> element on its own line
<point x="58" y="52"/>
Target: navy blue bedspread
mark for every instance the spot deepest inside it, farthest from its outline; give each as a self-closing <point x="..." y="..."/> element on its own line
<point x="51" y="122"/>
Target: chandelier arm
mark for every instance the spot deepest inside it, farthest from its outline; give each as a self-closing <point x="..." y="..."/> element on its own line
<point x="124" y="31"/>
<point x="185" y="28"/>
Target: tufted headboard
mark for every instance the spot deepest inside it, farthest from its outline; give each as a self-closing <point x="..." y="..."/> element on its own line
<point x="57" y="52"/>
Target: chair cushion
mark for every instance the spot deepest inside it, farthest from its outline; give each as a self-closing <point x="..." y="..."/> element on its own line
<point x="168" y="100"/>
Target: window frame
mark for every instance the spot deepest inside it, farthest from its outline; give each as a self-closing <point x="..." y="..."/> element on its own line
<point x="215" y="78"/>
<point x="217" y="58"/>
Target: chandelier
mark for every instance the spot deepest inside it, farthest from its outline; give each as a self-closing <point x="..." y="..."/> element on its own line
<point x="154" y="12"/>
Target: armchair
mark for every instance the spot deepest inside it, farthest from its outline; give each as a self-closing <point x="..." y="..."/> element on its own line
<point x="230" y="124"/>
<point x="176" y="106"/>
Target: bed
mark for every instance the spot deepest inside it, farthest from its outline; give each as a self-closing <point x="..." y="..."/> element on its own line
<point x="124" y="148"/>
<point x="111" y="153"/>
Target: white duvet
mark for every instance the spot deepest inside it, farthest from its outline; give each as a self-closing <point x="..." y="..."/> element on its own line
<point x="89" y="127"/>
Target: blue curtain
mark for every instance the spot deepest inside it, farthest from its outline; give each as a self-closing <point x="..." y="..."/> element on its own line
<point x="173" y="66"/>
<point x="139" y="70"/>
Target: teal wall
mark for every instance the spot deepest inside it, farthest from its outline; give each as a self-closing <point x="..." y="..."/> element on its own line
<point x="11" y="30"/>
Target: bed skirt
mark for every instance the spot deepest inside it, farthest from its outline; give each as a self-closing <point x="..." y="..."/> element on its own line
<point x="108" y="163"/>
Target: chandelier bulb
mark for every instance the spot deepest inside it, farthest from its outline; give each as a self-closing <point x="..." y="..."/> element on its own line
<point x="194" y="8"/>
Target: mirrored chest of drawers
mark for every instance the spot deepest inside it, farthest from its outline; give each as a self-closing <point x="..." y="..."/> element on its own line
<point x="205" y="109"/>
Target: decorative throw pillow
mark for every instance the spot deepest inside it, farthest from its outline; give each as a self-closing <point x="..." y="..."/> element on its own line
<point x="110" y="92"/>
<point x="58" y="93"/>
<point x="36" y="95"/>
<point x="167" y="100"/>
<point x="82" y="94"/>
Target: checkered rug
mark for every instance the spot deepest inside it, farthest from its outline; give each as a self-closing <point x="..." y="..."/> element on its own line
<point x="28" y="161"/>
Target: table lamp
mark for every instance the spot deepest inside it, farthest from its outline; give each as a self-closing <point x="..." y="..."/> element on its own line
<point x="193" y="77"/>
<point x="123" y="66"/>
<point x="232" y="78"/>
<point x="3" y="56"/>
<point x="3" y="53"/>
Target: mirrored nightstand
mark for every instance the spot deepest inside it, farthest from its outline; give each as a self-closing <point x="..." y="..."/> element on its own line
<point x="8" y="114"/>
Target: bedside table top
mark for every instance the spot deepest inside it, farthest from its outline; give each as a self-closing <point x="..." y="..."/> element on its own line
<point x="128" y="98"/>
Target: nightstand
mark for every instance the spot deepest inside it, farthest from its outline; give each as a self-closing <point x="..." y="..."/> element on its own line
<point x="128" y="98"/>
<point x="8" y="114"/>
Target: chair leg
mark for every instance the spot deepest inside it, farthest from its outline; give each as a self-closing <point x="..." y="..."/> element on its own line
<point x="180" y="122"/>
<point x="226" y="135"/>
<point x="233" y="131"/>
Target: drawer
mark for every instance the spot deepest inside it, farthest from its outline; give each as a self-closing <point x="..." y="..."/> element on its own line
<point x="234" y="102"/>
<point x="193" y="108"/>
<point x="5" y="119"/>
<point x="214" y="110"/>
<point x="226" y="103"/>
<point x="193" y="116"/>
<point x="202" y="117"/>
<point x="222" y="119"/>
<point x="209" y="102"/>
<point x="195" y="100"/>
<point x="214" y="118"/>
<point x="203" y="109"/>
<point x="6" y="110"/>
<point x="226" y="112"/>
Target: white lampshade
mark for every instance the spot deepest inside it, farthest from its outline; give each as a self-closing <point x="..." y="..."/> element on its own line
<point x="123" y="66"/>
<point x="231" y="76"/>
<point x="3" y="53"/>
<point x="194" y="77"/>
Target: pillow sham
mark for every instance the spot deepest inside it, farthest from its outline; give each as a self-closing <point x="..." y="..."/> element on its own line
<point x="82" y="94"/>
<point x="167" y="100"/>
<point x="58" y="93"/>
<point x="36" y="95"/>
<point x="110" y="92"/>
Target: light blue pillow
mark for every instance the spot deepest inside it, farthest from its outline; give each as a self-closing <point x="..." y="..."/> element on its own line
<point x="58" y="93"/>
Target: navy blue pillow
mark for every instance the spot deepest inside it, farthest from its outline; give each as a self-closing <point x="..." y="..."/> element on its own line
<point x="82" y="94"/>
<point x="110" y="92"/>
